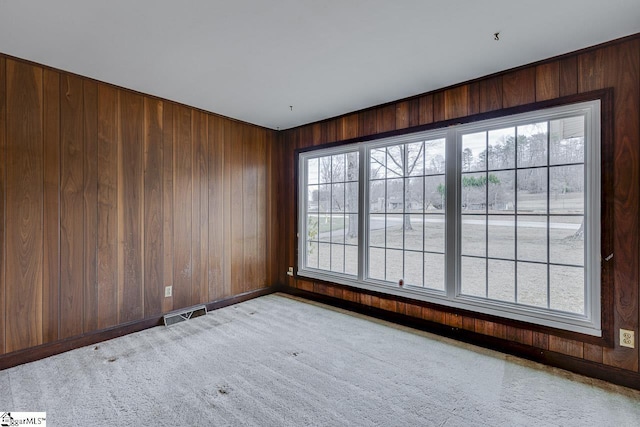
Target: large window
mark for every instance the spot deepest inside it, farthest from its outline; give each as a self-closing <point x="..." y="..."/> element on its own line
<point x="500" y="216"/>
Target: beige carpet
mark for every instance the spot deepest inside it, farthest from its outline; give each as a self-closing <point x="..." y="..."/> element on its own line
<point x="279" y="361"/>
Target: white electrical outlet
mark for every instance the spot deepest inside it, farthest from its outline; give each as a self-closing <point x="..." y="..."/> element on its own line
<point x="290" y="271"/>
<point x="167" y="291"/>
<point x="627" y="338"/>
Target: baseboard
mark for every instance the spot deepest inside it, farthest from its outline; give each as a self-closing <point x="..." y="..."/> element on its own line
<point x="558" y="360"/>
<point x="32" y="354"/>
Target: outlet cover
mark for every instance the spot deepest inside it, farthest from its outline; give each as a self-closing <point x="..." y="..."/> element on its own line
<point x="167" y="291"/>
<point x="627" y="338"/>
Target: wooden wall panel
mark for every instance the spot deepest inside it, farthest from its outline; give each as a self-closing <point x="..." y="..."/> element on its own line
<point x="568" y="76"/>
<point x="519" y="87"/>
<point x="547" y="81"/>
<point x="200" y="208"/>
<point x="260" y="162"/>
<point x="24" y="199"/>
<point x="367" y="122"/>
<point x="348" y="127"/>
<point x="566" y="346"/>
<point x="153" y="221"/>
<point x="473" y="98"/>
<point x="131" y="206"/>
<point x="229" y="209"/>
<point x="3" y="192"/>
<point x="107" y="176"/>
<point x="625" y="77"/>
<point x="250" y="206"/>
<point x="167" y="203"/>
<point x="490" y="94"/>
<point x="215" y="198"/>
<point x="438" y="107"/>
<point x="107" y="196"/>
<point x="402" y="115"/>
<point x="183" y="190"/>
<point x="51" y="214"/>
<point x="237" y="205"/>
<point x="90" y="197"/>
<point x="616" y="66"/>
<point x="456" y="102"/>
<point x="71" y="207"/>
<point x="426" y="109"/>
<point x="329" y="132"/>
<point x="414" y="112"/>
<point x="386" y="118"/>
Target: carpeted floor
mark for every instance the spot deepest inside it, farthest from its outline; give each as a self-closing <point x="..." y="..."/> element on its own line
<point x="279" y="361"/>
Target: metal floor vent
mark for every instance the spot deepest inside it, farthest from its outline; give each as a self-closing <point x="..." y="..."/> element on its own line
<point x="186" y="314"/>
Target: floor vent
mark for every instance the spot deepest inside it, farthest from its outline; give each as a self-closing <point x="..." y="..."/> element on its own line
<point x="186" y="314"/>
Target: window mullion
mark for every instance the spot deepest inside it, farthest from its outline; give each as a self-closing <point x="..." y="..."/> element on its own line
<point x="363" y="211"/>
<point x="453" y="217"/>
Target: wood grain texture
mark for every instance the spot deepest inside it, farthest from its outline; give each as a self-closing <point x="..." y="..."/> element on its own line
<point x="402" y="115"/>
<point x="438" y="107"/>
<point x="107" y="177"/>
<point x="426" y="109"/>
<point x="153" y="220"/>
<point x="200" y="209"/>
<point x="183" y="192"/>
<point x="72" y="165"/>
<point x="216" y="212"/>
<point x="568" y="76"/>
<point x="541" y="340"/>
<point x="456" y="102"/>
<point x="113" y="195"/>
<point x="473" y="98"/>
<point x="366" y="123"/>
<point x="490" y="94"/>
<point x="237" y="206"/>
<point x="264" y="189"/>
<point x="413" y="310"/>
<point x="316" y="134"/>
<point x="131" y="189"/>
<point x="229" y="210"/>
<point x="24" y="200"/>
<point x="469" y="323"/>
<point x="51" y="214"/>
<point x="272" y="232"/>
<point x="329" y="132"/>
<point x="304" y="285"/>
<point x="519" y="335"/>
<point x="519" y="87"/>
<point x="414" y="112"/>
<point x="3" y="192"/>
<point x="90" y="198"/>
<point x="348" y="127"/>
<point x="593" y="352"/>
<point x="167" y="202"/>
<point x="547" y="81"/>
<point x="566" y="346"/>
<point x="386" y="118"/>
<point x="625" y="77"/>
<point x="453" y="319"/>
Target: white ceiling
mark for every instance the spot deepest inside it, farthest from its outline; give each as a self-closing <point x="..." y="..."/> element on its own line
<point x="253" y="59"/>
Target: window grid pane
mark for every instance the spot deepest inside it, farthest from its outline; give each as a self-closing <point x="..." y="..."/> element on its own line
<point x="520" y="158"/>
<point x="332" y="210"/>
<point x="406" y="205"/>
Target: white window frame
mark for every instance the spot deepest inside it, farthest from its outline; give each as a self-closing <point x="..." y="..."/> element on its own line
<point x="590" y="323"/>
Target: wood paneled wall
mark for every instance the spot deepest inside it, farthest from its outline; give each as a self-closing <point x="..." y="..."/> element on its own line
<point x="107" y="196"/>
<point x="614" y="65"/>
